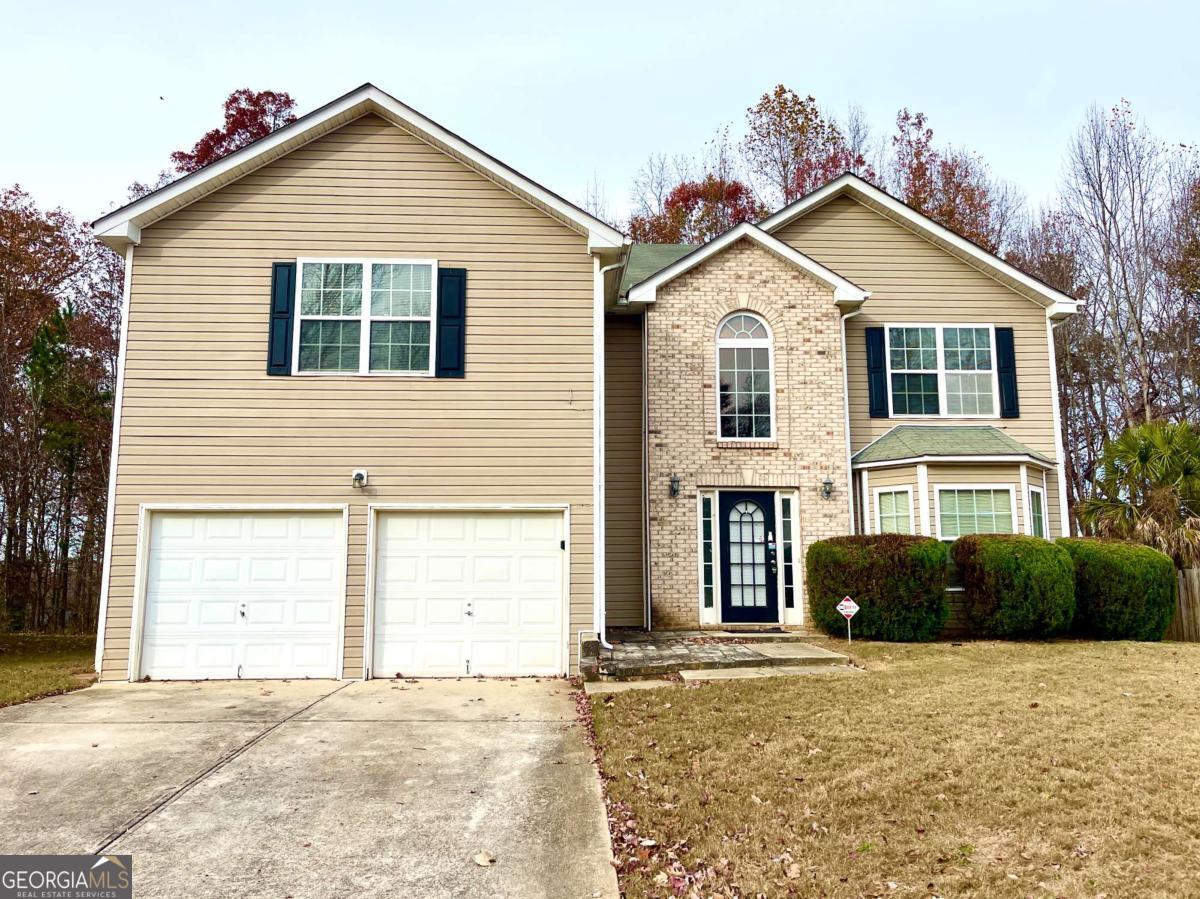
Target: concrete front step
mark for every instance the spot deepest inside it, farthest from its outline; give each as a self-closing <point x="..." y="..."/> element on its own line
<point x="770" y="671"/>
<point x="732" y="633"/>
<point x="681" y="656"/>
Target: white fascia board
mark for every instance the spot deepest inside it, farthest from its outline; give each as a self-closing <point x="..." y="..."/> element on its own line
<point x="1020" y="458"/>
<point x="1059" y="302"/>
<point x="844" y="291"/>
<point x="363" y="100"/>
<point x="120" y="236"/>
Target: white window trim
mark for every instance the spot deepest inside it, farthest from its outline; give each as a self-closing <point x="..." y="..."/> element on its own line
<point x="938" y="328"/>
<point x="937" y="503"/>
<point x="912" y="519"/>
<point x="769" y="343"/>
<point x="365" y="317"/>
<point x="1040" y="500"/>
<point x="794" y="615"/>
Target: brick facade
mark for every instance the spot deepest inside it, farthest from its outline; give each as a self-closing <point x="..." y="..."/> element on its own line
<point x="810" y="441"/>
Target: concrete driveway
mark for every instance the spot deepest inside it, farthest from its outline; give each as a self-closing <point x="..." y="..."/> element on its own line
<point x="313" y="788"/>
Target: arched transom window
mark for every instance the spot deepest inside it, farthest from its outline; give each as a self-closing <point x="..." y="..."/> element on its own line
<point x="745" y="398"/>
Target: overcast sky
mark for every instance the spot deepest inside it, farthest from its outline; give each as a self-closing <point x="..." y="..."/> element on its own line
<point x="96" y="95"/>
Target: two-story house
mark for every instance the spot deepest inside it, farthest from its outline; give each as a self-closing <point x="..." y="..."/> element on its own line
<point x="385" y="405"/>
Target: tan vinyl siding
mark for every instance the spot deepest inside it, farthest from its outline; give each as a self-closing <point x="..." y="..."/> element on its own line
<point x="624" y="589"/>
<point x="911" y="280"/>
<point x="203" y="423"/>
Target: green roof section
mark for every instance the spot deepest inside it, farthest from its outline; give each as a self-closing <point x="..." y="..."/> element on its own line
<point x="914" y="441"/>
<point x="646" y="259"/>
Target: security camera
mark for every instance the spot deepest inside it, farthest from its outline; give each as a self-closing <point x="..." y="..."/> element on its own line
<point x="359" y="478"/>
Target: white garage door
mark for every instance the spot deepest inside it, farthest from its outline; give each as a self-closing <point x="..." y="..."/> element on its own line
<point x="464" y="593"/>
<point x="243" y="594"/>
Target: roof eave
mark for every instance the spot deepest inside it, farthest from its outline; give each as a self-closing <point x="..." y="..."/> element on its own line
<point x="1016" y="458"/>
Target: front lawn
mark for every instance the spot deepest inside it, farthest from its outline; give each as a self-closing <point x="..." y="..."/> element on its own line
<point x="985" y="769"/>
<point x="33" y="665"/>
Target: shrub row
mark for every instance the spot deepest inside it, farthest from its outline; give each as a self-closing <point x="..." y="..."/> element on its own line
<point x="1014" y="586"/>
<point x="898" y="582"/>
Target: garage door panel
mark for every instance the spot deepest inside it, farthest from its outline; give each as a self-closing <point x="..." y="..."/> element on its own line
<point x="465" y="592"/>
<point x="493" y="571"/>
<point x="538" y="612"/>
<point x="539" y="656"/>
<point x="493" y="612"/>
<point x="255" y="593"/>
<point x="493" y="656"/>
<point x="397" y="657"/>
<point x="541" y="570"/>
<point x="398" y="612"/>
<point x="436" y="657"/>
<point x="209" y="611"/>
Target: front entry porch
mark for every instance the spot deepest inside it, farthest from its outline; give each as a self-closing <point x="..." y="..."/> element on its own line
<point x="640" y="654"/>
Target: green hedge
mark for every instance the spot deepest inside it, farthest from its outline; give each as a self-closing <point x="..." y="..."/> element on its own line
<point x="898" y="581"/>
<point x="1015" y="586"/>
<point x="1123" y="591"/>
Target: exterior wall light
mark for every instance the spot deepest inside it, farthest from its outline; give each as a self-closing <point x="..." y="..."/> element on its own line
<point x="674" y="485"/>
<point x="358" y="478"/>
<point x="827" y="489"/>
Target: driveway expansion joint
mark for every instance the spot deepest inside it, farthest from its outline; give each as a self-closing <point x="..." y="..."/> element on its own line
<point x="141" y="817"/>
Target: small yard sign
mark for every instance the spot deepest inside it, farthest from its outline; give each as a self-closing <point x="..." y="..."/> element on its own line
<point x="848" y="608"/>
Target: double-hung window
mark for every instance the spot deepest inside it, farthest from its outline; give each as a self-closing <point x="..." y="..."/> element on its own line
<point x="942" y="370"/>
<point x="894" y="511"/>
<point x="366" y="316"/>
<point x="1037" y="512"/>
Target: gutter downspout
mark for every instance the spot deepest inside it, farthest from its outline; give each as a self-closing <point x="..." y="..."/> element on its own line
<point x="846" y="416"/>
<point x="598" y="436"/>
<point x="647" y="596"/>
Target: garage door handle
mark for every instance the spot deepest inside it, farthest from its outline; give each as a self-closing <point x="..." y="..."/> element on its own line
<point x="469" y="613"/>
<point x="242" y="610"/>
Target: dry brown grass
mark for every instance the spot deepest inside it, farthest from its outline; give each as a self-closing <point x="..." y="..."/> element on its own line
<point x="986" y="769"/>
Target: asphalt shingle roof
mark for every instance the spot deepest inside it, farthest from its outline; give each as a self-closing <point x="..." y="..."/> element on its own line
<point x="909" y="441"/>
<point x="646" y="259"/>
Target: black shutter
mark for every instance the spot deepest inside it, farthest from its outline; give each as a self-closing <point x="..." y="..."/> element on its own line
<point x="876" y="374"/>
<point x="1006" y="368"/>
<point x="452" y="323"/>
<point x="279" y="339"/>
